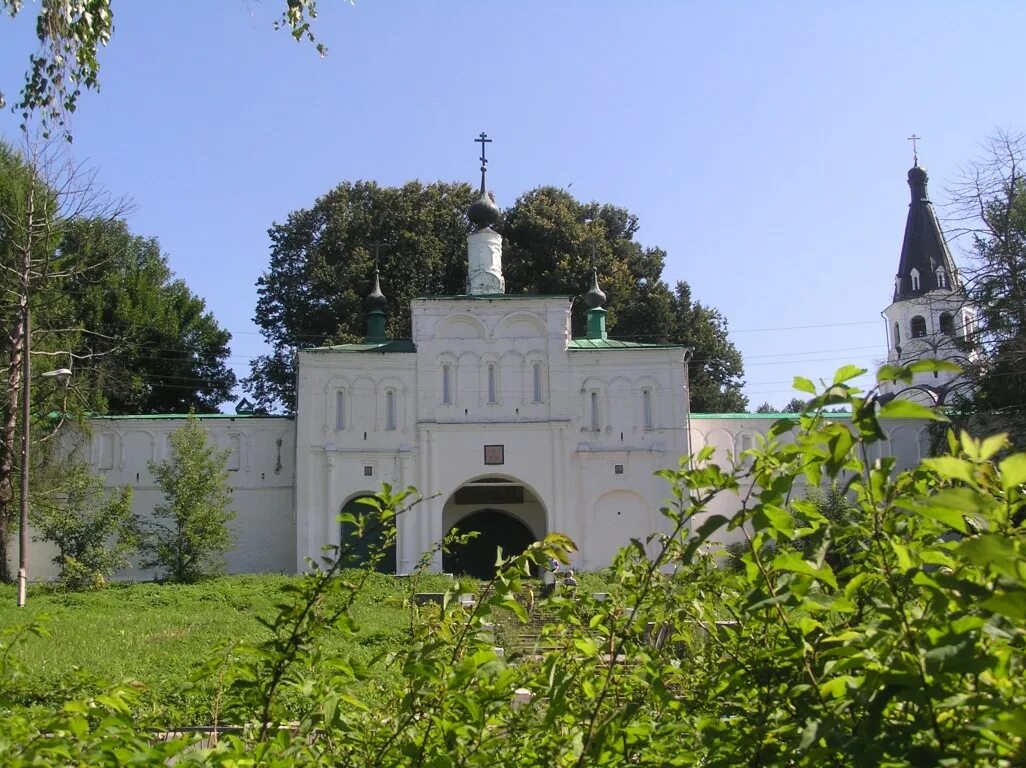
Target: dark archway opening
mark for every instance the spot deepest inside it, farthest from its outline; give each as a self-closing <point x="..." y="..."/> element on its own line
<point x="918" y="327"/>
<point x="495" y="529"/>
<point x="356" y="550"/>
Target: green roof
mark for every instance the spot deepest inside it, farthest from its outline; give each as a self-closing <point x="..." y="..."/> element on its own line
<point x="495" y="297"/>
<point x="577" y="344"/>
<point x="774" y="416"/>
<point x="388" y="345"/>
<point x="181" y="416"/>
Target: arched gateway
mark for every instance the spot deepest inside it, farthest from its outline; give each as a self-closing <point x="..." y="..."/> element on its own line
<point x="503" y="512"/>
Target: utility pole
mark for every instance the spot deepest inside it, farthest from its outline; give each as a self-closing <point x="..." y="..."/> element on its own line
<point x="26" y="441"/>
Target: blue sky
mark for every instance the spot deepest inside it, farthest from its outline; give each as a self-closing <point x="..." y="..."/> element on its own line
<point x="761" y="145"/>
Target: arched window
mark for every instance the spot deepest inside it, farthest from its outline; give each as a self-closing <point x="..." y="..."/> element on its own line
<point x="918" y="326"/>
<point x="536" y="382"/>
<point x="234" y="453"/>
<point x="646" y="408"/>
<point x="491" y="383"/>
<point x="340" y="410"/>
<point x="914" y="275"/>
<point x="447" y="384"/>
<point x="897" y="334"/>
<point x="942" y="278"/>
<point x="594" y="411"/>
<point x="947" y="324"/>
<point x="390" y="409"/>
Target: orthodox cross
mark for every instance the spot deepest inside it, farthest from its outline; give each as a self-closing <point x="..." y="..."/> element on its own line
<point x="377" y="249"/>
<point x="482" y="140"/>
<point x="915" y="147"/>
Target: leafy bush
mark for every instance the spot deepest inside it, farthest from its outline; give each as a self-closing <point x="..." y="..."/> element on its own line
<point x="190" y="545"/>
<point x="910" y="651"/>
<point x="94" y="531"/>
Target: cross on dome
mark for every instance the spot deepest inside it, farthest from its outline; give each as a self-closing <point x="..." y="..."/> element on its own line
<point x="915" y="147"/>
<point x="483" y="212"/>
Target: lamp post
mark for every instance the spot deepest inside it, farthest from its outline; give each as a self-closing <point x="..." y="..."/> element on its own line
<point x="26" y="441"/>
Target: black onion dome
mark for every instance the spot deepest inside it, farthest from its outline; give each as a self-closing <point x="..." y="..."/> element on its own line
<point x="917" y="175"/>
<point x="483" y="212"/>
<point x="594" y="298"/>
<point x="375" y="299"/>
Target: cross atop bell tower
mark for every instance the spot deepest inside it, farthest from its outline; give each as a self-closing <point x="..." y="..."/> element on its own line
<point x="915" y="147"/>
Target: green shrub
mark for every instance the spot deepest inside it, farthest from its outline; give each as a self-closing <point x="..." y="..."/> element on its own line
<point x="188" y="534"/>
<point x="93" y="530"/>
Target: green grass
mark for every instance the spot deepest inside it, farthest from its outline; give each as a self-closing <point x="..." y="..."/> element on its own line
<point x="158" y="634"/>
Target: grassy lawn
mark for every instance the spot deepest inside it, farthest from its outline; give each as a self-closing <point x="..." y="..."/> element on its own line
<point x="158" y="633"/>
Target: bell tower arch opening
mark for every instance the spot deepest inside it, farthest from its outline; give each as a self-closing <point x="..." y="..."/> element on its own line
<point x="503" y="512"/>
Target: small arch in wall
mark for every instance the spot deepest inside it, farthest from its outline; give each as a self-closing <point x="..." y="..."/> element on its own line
<point x="461" y="327"/>
<point x="723" y="443"/>
<point x="520" y="325"/>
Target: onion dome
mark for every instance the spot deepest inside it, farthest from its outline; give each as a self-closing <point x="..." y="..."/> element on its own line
<point x="483" y="212"/>
<point x="595" y="297"/>
<point x="375" y="300"/>
<point x="917" y="176"/>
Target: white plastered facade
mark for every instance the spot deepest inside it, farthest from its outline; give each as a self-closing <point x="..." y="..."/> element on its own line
<point x="582" y="430"/>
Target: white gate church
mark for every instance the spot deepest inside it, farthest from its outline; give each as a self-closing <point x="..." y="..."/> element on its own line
<point x="507" y="424"/>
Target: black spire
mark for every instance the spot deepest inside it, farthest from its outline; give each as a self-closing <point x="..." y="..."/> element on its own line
<point x="925" y="264"/>
<point x="483" y="211"/>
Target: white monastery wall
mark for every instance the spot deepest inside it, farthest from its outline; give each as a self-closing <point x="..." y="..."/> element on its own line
<point x="593" y="485"/>
<point x="261" y="474"/>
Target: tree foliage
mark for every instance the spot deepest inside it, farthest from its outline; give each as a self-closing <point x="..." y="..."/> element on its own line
<point x="70" y="35"/>
<point x="94" y="531"/>
<point x="103" y="303"/>
<point x="716" y="368"/>
<point x="322" y="261"/>
<point x="151" y="345"/>
<point x="991" y="205"/>
<point x="908" y="650"/>
<point x="795" y="405"/>
<point x="189" y="533"/>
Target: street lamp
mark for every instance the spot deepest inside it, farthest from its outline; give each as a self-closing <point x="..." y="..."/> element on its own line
<point x="61" y="374"/>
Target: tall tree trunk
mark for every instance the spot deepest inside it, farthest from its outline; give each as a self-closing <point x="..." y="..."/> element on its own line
<point x="8" y="439"/>
<point x="17" y="346"/>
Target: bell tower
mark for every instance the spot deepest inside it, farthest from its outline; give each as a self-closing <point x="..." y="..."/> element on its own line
<point x="929" y="315"/>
